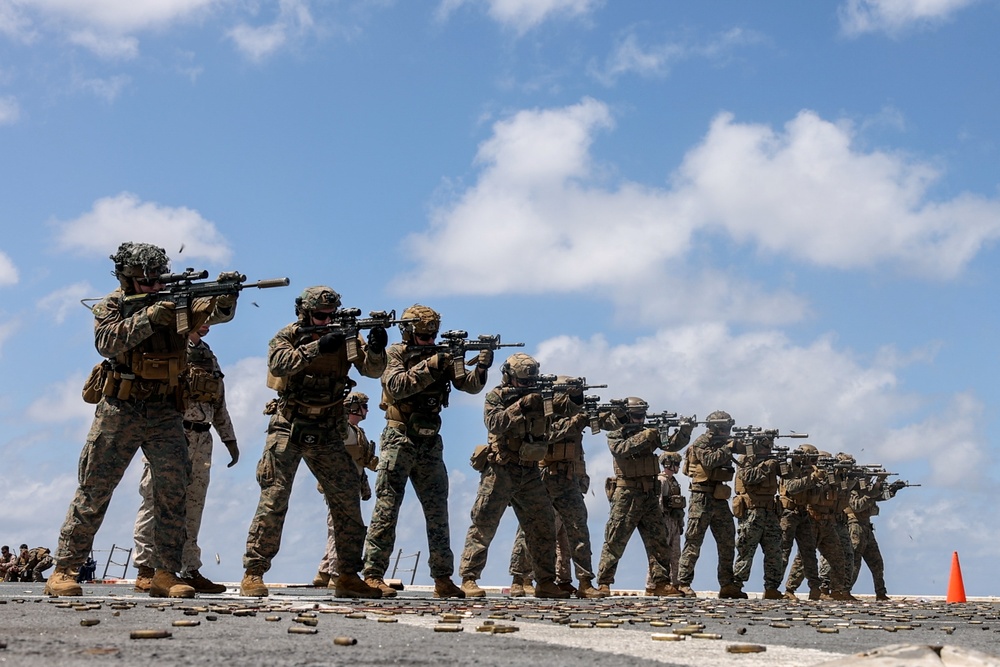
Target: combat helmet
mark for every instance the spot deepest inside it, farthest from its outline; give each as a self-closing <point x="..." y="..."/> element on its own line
<point x="716" y="418"/>
<point x="805" y="450"/>
<point x="636" y="408"/>
<point x="670" y="458"/>
<point x="844" y="457"/>
<point x="355" y="401"/>
<point x="519" y="366"/>
<point x="428" y="321"/>
<point x="314" y="298"/>
<point x="139" y="260"/>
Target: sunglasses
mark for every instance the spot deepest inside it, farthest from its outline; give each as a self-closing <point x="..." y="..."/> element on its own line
<point x="320" y="315"/>
<point x="423" y="337"/>
<point x="148" y="282"/>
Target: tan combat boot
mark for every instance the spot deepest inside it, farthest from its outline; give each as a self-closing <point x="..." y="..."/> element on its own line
<point x="253" y="586"/>
<point x="732" y="592"/>
<point x="321" y="580"/>
<point x="587" y="590"/>
<point x="664" y="590"/>
<point x="445" y="588"/>
<point x="815" y="594"/>
<point x="144" y="578"/>
<point x="548" y="589"/>
<point x="472" y="589"/>
<point x="517" y="588"/>
<point x="201" y="584"/>
<point x="772" y="594"/>
<point x="882" y="597"/>
<point x="166" y="584"/>
<point x="568" y="587"/>
<point x="387" y="591"/>
<point x="605" y="589"/>
<point x="789" y="595"/>
<point x="353" y="586"/>
<point x="687" y="591"/>
<point x="843" y="596"/>
<point x="62" y="582"/>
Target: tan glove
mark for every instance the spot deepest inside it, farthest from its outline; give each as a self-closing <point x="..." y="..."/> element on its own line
<point x="161" y="313"/>
<point x="225" y="301"/>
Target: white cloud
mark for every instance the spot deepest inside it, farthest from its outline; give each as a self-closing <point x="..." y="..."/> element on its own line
<point x="257" y="43"/>
<point x="120" y="15"/>
<point x="107" y="89"/>
<point x="10" y="110"/>
<point x="893" y="16"/>
<point x="14" y="24"/>
<point x="124" y="217"/>
<point x="62" y="402"/>
<point x="656" y="60"/>
<point x="8" y="272"/>
<point x="805" y="193"/>
<point x="523" y="15"/>
<point x="58" y="305"/>
<point x="105" y="46"/>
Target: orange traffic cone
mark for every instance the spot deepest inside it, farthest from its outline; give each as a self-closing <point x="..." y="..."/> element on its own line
<point x="956" y="589"/>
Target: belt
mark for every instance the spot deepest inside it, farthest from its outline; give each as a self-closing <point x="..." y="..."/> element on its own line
<point x="197" y="427"/>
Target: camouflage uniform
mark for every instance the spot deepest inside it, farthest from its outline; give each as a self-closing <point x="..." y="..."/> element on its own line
<point x="708" y="462"/>
<point x="825" y="502"/>
<point x="755" y="507"/>
<point x="863" y="506"/>
<point x="139" y="406"/>
<point x="515" y="426"/>
<point x="415" y="388"/>
<point x="635" y="501"/>
<point x="797" y="526"/>
<point x="206" y="407"/>
<point x="308" y="422"/>
<point x="362" y="451"/>
<point x="564" y="473"/>
<point x="672" y="504"/>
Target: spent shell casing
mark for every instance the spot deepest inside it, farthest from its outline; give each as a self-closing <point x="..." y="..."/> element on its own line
<point x="666" y="637"/>
<point x="705" y="635"/>
<point x="345" y="641"/>
<point x="87" y="622"/>
<point x="356" y="614"/>
<point x="149" y="634"/>
<point x="448" y="627"/>
<point x="185" y="623"/>
<point x="301" y="630"/>
<point x="388" y="619"/>
<point x="306" y="620"/>
<point x="828" y="631"/>
<point x="745" y="648"/>
<point x="272" y="618"/>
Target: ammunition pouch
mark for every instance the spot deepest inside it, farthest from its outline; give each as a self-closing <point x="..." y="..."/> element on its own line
<point x="740" y="508"/>
<point x="480" y="458"/>
<point x="531" y="451"/>
<point x="721" y="492"/>
<point x="723" y="474"/>
<point x="93" y="388"/>
<point x="676" y="502"/>
<point x="165" y="366"/>
<point x="203" y="386"/>
<point x="566" y="450"/>
<point x="307" y="435"/>
<point x="423" y="425"/>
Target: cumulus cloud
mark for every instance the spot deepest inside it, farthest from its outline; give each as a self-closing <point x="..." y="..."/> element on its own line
<point x="656" y="60"/>
<point x="108" y="47"/>
<point x="118" y="16"/>
<point x="805" y="192"/>
<point x="524" y="15"/>
<point x="10" y="110"/>
<point x="894" y="16"/>
<point x="8" y="271"/>
<point x="257" y="43"/>
<point x="61" y="402"/>
<point x="125" y="216"/>
<point x="763" y="378"/>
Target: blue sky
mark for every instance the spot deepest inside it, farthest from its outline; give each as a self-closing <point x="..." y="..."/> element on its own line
<point x="789" y="212"/>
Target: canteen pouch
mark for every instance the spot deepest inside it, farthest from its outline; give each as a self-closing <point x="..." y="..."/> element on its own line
<point x="479" y="458"/>
<point x="740" y="506"/>
<point x="158" y="365"/>
<point x="721" y="492"/>
<point x="609" y="487"/>
<point x="93" y="388"/>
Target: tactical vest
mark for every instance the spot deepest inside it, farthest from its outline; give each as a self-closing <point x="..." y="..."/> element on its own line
<point x="800" y="499"/>
<point x="700" y="473"/>
<point x="316" y="391"/>
<point x="203" y="379"/>
<point x="428" y="401"/>
<point x="153" y="368"/>
<point x="524" y="442"/>
<point x="761" y="494"/>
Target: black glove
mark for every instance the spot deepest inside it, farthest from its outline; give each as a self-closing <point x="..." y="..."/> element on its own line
<point x="377" y="339"/>
<point x="331" y="342"/>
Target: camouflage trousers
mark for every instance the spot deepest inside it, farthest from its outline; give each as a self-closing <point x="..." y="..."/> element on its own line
<point x="675" y="528"/>
<point x="704" y="513"/>
<point x="830" y="547"/>
<point x="760" y="526"/>
<point x="844" y="534"/>
<point x="422" y="463"/>
<point x="521" y="487"/>
<point x="119" y="430"/>
<point x="635" y="507"/>
<point x="866" y="548"/>
<point x="328" y="563"/>
<point x="321" y="445"/>
<point x="798" y="529"/>
<point x="200" y="457"/>
<point x="520" y="559"/>
<point x="572" y="532"/>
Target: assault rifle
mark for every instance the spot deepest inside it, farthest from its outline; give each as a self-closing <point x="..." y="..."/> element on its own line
<point x="746" y="437"/>
<point x="548" y="384"/>
<point x="457" y="342"/>
<point x="182" y="289"/>
<point x="598" y="411"/>
<point x="348" y="322"/>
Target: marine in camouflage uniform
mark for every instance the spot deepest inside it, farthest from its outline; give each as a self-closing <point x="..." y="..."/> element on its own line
<point x="564" y="473"/>
<point x="798" y="481"/>
<point x="672" y="504"/>
<point x="517" y="426"/>
<point x="755" y="507"/>
<point x="824" y="503"/>
<point x="415" y="386"/>
<point x="709" y="464"/>
<point x="138" y="392"/>
<point x="863" y="505"/>
<point x="634" y="493"/>
<point x="309" y="370"/>
<point x="206" y="407"/>
<point x="362" y="451"/>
